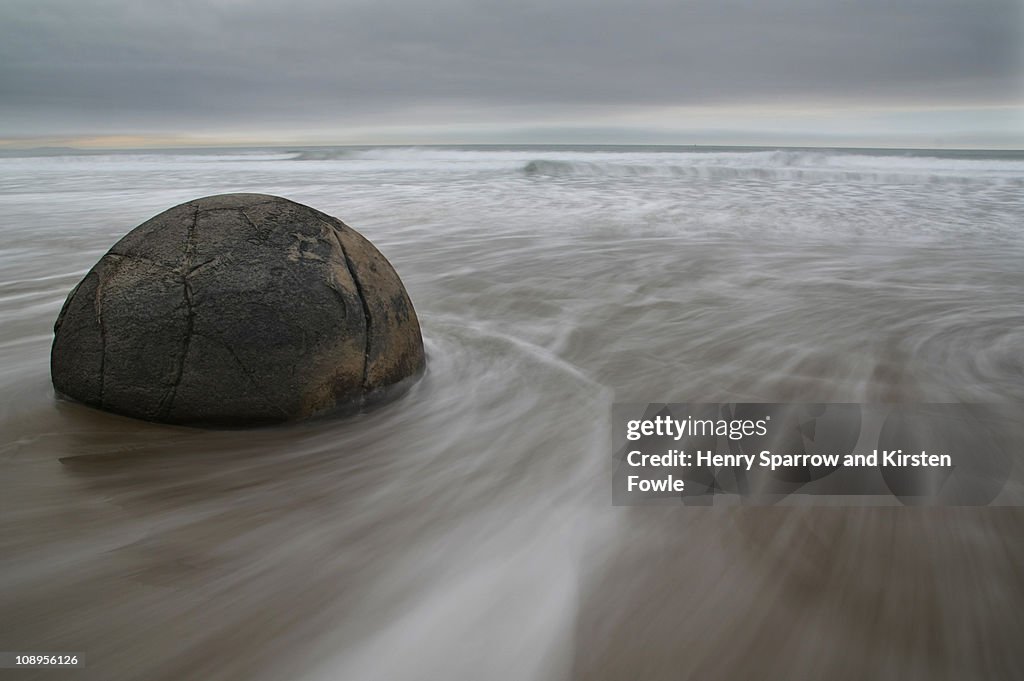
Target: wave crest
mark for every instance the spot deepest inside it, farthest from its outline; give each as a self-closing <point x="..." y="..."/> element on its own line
<point x="784" y="165"/>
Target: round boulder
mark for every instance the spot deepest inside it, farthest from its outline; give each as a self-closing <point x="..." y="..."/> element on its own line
<point x="237" y="310"/>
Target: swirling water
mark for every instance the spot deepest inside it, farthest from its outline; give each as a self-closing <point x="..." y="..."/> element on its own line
<point x="465" y="531"/>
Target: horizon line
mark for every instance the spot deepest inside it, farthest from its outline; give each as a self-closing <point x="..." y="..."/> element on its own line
<point x="9" y="145"/>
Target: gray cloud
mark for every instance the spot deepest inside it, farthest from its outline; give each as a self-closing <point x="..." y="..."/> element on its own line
<point x="110" y="63"/>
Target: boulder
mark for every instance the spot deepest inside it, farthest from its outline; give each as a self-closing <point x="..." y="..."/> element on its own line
<point x="237" y="310"/>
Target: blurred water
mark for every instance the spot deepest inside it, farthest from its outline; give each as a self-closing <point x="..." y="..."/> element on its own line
<point x="466" y="532"/>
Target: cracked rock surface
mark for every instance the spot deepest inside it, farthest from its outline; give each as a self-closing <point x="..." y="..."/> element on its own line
<point x="236" y="310"/>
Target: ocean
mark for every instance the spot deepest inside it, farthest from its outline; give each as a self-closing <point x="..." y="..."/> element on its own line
<point x="466" y="530"/>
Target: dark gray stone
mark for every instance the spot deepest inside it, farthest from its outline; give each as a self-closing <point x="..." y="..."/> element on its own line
<point x="237" y="310"/>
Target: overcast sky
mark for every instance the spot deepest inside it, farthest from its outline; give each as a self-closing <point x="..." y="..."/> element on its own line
<point x="914" y="72"/>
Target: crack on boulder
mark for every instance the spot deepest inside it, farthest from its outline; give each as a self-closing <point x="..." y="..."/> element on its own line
<point x="142" y="258"/>
<point x="362" y="301"/>
<point x="261" y="236"/>
<point x="340" y="295"/>
<point x="98" y="306"/>
<point x="97" y="303"/>
<point x="247" y="205"/>
<point x="184" y="269"/>
<point x="202" y="266"/>
<point x="249" y="373"/>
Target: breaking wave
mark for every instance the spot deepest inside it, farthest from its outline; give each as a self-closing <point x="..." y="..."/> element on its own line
<point x="785" y="165"/>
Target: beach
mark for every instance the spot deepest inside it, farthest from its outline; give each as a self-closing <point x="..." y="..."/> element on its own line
<point x="465" y="530"/>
